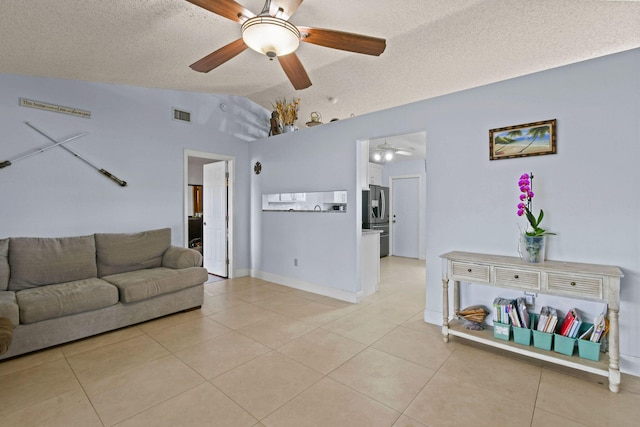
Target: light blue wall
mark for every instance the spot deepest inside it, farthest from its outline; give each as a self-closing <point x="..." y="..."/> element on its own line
<point x="325" y="244"/>
<point x="587" y="190"/>
<point x="132" y="134"/>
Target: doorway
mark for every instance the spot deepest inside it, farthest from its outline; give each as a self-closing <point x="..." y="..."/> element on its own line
<point x="406" y="211"/>
<point x="218" y="190"/>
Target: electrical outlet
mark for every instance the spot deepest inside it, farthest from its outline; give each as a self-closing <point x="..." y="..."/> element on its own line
<point x="295" y="262"/>
<point x="529" y="299"/>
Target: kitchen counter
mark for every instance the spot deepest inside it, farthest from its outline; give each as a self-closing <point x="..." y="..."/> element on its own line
<point x="305" y="210"/>
<point x="370" y="231"/>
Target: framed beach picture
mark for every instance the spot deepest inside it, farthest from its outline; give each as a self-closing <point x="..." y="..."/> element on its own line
<point x="530" y="139"/>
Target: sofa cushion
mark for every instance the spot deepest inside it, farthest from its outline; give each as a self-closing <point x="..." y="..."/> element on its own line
<point x="48" y="302"/>
<point x="176" y="257"/>
<point x="9" y="307"/>
<point x="123" y="252"/>
<point x="4" y="264"/>
<point x="142" y="284"/>
<point x="37" y="261"/>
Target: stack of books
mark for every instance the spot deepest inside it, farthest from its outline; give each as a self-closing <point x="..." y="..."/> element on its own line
<point x="512" y="311"/>
<point x="548" y="320"/>
<point x="571" y="324"/>
<point x="598" y="330"/>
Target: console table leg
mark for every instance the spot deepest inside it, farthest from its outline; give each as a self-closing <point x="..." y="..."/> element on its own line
<point x="445" y="309"/>
<point x="614" y="351"/>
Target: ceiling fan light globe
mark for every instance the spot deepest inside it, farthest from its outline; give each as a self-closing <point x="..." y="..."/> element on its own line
<point x="270" y="36"/>
<point x="377" y="156"/>
<point x="388" y="155"/>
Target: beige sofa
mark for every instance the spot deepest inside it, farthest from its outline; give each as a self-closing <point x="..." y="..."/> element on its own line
<point x="56" y="290"/>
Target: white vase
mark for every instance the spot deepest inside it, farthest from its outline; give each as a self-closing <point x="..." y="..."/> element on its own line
<point x="288" y="128"/>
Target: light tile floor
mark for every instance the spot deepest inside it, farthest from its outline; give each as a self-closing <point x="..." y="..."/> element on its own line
<point x="260" y="354"/>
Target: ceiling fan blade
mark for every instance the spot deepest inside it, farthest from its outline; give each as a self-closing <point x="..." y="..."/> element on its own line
<point x="219" y="57"/>
<point x="344" y="41"/>
<point x="404" y="153"/>
<point x="288" y="8"/>
<point x="295" y="71"/>
<point x="225" y="8"/>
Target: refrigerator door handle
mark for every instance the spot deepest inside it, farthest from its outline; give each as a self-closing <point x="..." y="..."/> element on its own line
<point x="383" y="210"/>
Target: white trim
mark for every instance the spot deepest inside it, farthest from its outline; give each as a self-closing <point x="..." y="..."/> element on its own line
<point x="243" y="272"/>
<point x="421" y="250"/>
<point x="327" y="291"/>
<point x="232" y="206"/>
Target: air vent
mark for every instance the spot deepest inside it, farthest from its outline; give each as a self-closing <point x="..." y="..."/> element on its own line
<point x="183" y="116"/>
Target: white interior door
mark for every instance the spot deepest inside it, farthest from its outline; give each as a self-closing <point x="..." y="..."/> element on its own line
<point x="405" y="219"/>
<point x="215" y="217"/>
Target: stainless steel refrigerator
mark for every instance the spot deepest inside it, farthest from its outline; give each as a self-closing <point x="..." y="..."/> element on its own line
<point x="375" y="214"/>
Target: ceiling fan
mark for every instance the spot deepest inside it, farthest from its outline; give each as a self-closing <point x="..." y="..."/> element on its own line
<point x="387" y="152"/>
<point x="271" y="34"/>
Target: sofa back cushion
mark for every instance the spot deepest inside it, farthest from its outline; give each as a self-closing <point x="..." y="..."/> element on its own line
<point x="119" y="253"/>
<point x="4" y="264"/>
<point x="38" y="261"/>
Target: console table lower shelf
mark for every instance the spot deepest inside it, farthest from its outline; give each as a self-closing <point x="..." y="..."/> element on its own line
<point x="486" y="337"/>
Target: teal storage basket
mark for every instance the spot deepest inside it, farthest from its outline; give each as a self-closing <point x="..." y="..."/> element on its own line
<point x="589" y="350"/>
<point x="541" y="340"/>
<point x="501" y="331"/>
<point x="522" y="335"/>
<point x="564" y="345"/>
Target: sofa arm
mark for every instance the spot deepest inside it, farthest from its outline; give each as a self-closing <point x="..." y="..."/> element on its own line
<point x="177" y="257"/>
<point x="9" y="307"/>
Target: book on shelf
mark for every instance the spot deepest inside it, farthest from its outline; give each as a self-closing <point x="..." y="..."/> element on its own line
<point x="542" y="318"/>
<point x="575" y="327"/>
<point x="586" y="335"/>
<point x="567" y="322"/>
<point x="600" y="327"/>
<point x="553" y="321"/>
<point x="547" y="320"/>
<point x="523" y="314"/>
<point x="500" y="310"/>
<point x="513" y="311"/>
<point x="513" y="314"/>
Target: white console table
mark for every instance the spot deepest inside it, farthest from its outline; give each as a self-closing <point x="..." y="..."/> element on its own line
<point x="568" y="279"/>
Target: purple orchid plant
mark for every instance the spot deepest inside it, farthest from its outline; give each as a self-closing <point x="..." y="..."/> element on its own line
<point x="526" y="206"/>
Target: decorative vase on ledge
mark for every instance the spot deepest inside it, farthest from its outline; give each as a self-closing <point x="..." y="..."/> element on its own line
<point x="532" y="248"/>
<point x="288" y="128"/>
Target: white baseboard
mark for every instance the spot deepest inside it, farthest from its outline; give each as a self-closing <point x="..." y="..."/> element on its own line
<point x="242" y="272"/>
<point x="352" y="297"/>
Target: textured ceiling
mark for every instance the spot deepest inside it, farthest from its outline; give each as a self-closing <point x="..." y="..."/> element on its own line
<point x="434" y="47"/>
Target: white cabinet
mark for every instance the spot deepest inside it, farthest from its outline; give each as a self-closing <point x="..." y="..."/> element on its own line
<point x="375" y="174"/>
<point x="568" y="279"/>
<point x="293" y="197"/>
<point x="335" y="197"/>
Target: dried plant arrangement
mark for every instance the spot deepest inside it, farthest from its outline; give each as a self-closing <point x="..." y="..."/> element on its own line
<point x="287" y="111"/>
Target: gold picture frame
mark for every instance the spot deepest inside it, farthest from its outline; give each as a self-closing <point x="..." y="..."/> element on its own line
<point x="529" y="139"/>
